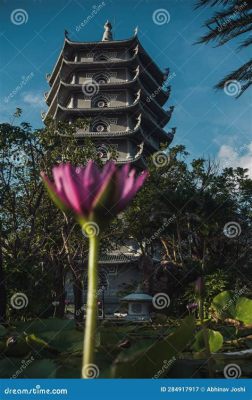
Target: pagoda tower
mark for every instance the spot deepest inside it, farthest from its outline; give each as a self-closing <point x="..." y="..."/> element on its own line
<point x="117" y="87"/>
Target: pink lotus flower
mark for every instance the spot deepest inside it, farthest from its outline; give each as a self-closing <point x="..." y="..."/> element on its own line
<point x="89" y="190"/>
<point x="94" y="196"/>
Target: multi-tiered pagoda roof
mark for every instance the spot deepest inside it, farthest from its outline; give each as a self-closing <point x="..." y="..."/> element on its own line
<point x="118" y="88"/>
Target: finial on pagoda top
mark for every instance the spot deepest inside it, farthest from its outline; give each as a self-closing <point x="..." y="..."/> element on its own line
<point x="136" y="31"/>
<point x="66" y="33"/>
<point x="107" y="33"/>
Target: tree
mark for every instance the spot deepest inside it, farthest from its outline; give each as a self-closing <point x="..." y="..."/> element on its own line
<point x="38" y="243"/>
<point x="179" y="214"/>
<point x="234" y="20"/>
<point x="182" y="213"/>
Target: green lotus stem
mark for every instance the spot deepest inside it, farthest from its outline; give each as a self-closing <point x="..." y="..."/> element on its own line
<point x="91" y="313"/>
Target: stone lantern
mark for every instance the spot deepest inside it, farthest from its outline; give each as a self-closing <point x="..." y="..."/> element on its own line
<point x="138" y="306"/>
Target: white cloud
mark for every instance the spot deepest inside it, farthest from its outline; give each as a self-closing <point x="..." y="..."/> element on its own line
<point x="230" y="156"/>
<point x="33" y="99"/>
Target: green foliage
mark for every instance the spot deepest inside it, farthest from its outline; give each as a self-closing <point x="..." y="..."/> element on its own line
<point x="38" y="242"/>
<point x="44" y="325"/>
<point x="228" y="305"/>
<point x="231" y="20"/>
<point x="214" y="283"/>
<point x="134" y="363"/>
<point x="215" y="339"/>
<point x="3" y="331"/>
<point x="30" y="368"/>
<point x="181" y="212"/>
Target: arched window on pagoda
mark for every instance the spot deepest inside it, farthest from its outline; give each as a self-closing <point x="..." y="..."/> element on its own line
<point x="101" y="57"/>
<point x="100" y="126"/>
<point x="100" y="102"/>
<point x="101" y="78"/>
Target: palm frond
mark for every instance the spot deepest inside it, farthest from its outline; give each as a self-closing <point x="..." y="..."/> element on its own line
<point x="247" y="42"/>
<point x="242" y="75"/>
<point x="232" y="21"/>
<point x="226" y="30"/>
<point x="243" y="9"/>
<point x="212" y="3"/>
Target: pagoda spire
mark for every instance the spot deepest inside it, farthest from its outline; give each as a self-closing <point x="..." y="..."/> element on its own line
<point x="107" y="35"/>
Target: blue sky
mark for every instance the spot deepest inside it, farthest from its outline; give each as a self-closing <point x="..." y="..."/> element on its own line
<point x="210" y="123"/>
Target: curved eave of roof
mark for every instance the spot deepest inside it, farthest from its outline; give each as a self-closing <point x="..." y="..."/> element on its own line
<point x="108" y="110"/>
<point x="117" y="134"/>
<point x="115" y="43"/>
<point x="113" y="259"/>
<point x="91" y="111"/>
<point x="94" y="64"/>
<point x="114" y="85"/>
<point x="125" y="134"/>
<point x="118" y="43"/>
<point x="138" y="158"/>
<point x="56" y="68"/>
<point x="161" y="97"/>
<point x="149" y="143"/>
<point x="100" y="43"/>
<point x="146" y="117"/>
<point x="78" y="86"/>
<point x="152" y="104"/>
<point x="63" y="61"/>
<point x="157" y="71"/>
<point x="165" y="115"/>
<point x="105" y="110"/>
<point x="109" y="63"/>
<point x="144" y="95"/>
